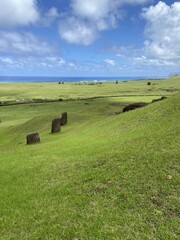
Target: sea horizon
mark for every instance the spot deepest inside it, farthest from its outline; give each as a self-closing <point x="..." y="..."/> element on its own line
<point x="10" y="79"/>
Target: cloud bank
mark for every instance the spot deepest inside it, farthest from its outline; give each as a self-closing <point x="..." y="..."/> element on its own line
<point x="83" y="24"/>
<point x="162" y="37"/>
<point x="162" y="31"/>
<point x="86" y="19"/>
<point x="25" y="43"/>
<point x="18" y="12"/>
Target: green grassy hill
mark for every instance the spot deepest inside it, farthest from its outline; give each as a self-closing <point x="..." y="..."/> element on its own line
<point x="103" y="176"/>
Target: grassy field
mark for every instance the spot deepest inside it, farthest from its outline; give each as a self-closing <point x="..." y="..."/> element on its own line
<point x="26" y="91"/>
<point x="104" y="176"/>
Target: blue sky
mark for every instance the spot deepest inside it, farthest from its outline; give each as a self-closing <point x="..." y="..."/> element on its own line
<point x="89" y="37"/>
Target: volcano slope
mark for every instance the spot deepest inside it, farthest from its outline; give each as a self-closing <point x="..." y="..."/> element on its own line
<point x="102" y="177"/>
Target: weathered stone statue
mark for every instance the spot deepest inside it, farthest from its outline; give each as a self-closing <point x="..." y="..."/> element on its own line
<point x="64" y="118"/>
<point x="33" y="138"/>
<point x="133" y="106"/>
<point x="56" y="125"/>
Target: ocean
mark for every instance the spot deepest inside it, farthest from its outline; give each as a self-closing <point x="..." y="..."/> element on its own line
<point x="69" y="79"/>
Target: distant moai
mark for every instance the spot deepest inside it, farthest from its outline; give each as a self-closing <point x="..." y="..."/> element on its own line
<point x="56" y="125"/>
<point x="64" y="118"/>
<point x="133" y="106"/>
<point x="33" y="138"/>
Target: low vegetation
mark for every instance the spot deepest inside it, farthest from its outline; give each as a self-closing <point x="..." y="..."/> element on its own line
<point x="104" y="176"/>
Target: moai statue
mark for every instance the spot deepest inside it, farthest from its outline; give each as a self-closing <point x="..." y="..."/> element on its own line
<point x="56" y="125"/>
<point x="33" y="138"/>
<point x="64" y="118"/>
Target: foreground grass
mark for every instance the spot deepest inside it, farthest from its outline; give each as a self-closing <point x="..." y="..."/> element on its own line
<point x="103" y="177"/>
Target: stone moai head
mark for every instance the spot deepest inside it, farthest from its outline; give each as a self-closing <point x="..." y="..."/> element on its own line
<point x="64" y="118"/>
<point x="32" y="138"/>
<point x="56" y="125"/>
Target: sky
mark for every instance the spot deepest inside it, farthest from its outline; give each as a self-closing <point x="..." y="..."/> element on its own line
<point x="89" y="38"/>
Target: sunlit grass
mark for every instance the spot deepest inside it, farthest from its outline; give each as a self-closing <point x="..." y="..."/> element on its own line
<point x="23" y="91"/>
<point x="102" y="177"/>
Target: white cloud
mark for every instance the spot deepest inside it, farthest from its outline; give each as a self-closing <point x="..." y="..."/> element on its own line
<point x="53" y="12"/>
<point x="110" y="62"/>
<point x="13" y="42"/>
<point x="56" y="60"/>
<point x="89" y="18"/>
<point x="18" y="12"/>
<point x="77" y="31"/>
<point x="6" y="60"/>
<point x="92" y="9"/>
<point x="146" y="61"/>
<point x="125" y="51"/>
<point x="51" y="65"/>
<point x="50" y="16"/>
<point x="162" y="37"/>
<point x="163" y="31"/>
<point x="37" y="63"/>
<point x="99" y="9"/>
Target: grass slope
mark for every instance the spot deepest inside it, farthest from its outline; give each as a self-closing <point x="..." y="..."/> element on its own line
<point x="102" y="177"/>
